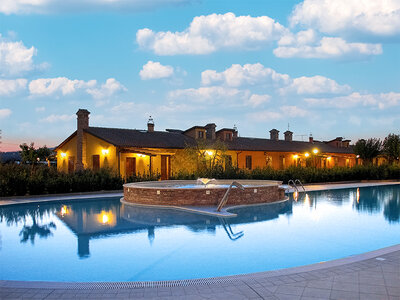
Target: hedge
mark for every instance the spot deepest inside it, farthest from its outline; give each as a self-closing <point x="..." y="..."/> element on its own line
<point x="18" y="180"/>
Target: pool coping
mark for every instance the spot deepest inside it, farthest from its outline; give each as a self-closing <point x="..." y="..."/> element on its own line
<point x="202" y="281"/>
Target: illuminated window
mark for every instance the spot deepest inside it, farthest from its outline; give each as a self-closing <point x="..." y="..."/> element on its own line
<point x="248" y="162"/>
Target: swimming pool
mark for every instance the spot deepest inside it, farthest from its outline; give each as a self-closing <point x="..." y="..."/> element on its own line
<point x="104" y="240"/>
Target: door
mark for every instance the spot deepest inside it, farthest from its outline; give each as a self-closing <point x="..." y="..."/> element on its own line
<point x="96" y="162"/>
<point x="71" y="164"/>
<point x="164" y="167"/>
<point x="130" y="169"/>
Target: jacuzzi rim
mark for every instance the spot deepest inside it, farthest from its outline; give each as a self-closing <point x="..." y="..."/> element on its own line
<point x="162" y="184"/>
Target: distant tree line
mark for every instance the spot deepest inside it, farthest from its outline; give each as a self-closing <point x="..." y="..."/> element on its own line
<point x="371" y="148"/>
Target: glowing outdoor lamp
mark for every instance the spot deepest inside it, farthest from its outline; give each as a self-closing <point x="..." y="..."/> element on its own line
<point x="63" y="154"/>
<point x="104" y="151"/>
<point x="329" y="158"/>
<point x="315" y="151"/>
<point x="295" y="156"/>
<point x="307" y="154"/>
<point x="141" y="155"/>
<point x="209" y="152"/>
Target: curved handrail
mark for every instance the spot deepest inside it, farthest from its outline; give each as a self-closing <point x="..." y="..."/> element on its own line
<point x="299" y="182"/>
<point x="293" y="184"/>
<point x="225" y="198"/>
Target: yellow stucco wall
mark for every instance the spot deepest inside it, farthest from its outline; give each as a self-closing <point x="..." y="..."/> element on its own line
<point x="260" y="159"/>
<point x="70" y="151"/>
<point x="94" y="146"/>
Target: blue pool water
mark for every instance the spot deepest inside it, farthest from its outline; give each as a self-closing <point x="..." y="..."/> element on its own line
<point x="104" y="240"/>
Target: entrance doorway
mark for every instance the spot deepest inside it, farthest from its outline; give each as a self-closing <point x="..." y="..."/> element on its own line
<point x="165" y="167"/>
<point x="130" y="169"/>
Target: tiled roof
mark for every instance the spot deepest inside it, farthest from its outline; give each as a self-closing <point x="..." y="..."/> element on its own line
<point x="141" y="138"/>
<point x="257" y="144"/>
<point x="176" y="140"/>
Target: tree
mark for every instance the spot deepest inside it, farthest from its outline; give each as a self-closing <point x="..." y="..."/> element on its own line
<point x="391" y="147"/>
<point x="204" y="157"/>
<point x="30" y="155"/>
<point x="368" y="149"/>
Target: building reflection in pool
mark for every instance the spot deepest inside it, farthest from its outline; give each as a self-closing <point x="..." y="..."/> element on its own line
<point x="102" y="219"/>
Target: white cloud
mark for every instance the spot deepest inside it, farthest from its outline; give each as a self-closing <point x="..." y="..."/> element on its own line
<point x="58" y="118"/>
<point x="264" y="116"/>
<point x="256" y="100"/>
<point x="107" y="89"/>
<point x="368" y="17"/>
<point x="381" y="101"/>
<point x="155" y="70"/>
<point x="248" y="74"/>
<point x="15" y="58"/>
<point x="40" y="109"/>
<point x="328" y="47"/>
<point x="315" y="85"/>
<point x="55" y="6"/>
<point x="4" y="113"/>
<point x="207" y="34"/>
<point x="293" y="111"/>
<point x="8" y="87"/>
<point x="207" y="95"/>
<point x="284" y="112"/>
<point x="54" y="86"/>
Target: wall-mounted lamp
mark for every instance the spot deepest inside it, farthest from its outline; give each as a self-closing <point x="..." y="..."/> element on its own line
<point x="209" y="152"/>
<point x="63" y="154"/>
<point x="104" y="151"/>
<point x="307" y="154"/>
<point x="295" y="156"/>
<point x="141" y="155"/>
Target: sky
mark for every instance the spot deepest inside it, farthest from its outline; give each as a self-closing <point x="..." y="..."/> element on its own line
<point x="320" y="67"/>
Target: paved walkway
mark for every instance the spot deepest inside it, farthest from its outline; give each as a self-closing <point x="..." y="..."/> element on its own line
<point x="372" y="275"/>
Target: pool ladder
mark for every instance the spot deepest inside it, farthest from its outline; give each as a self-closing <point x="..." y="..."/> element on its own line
<point x="295" y="184"/>
<point x="225" y="198"/>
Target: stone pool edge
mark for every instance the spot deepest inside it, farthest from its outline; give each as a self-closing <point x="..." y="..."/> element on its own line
<point x="200" y="281"/>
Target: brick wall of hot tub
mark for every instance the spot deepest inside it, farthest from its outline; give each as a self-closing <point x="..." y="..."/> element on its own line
<point x="202" y="196"/>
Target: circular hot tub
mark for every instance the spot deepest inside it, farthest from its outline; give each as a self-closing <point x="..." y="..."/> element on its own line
<point x="196" y="193"/>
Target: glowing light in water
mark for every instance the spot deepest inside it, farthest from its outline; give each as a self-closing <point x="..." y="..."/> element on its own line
<point x="358" y="195"/>
<point x="64" y="210"/>
<point x="295" y="195"/>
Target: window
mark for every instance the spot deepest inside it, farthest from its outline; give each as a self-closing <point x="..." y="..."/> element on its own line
<point x="96" y="162"/>
<point x="200" y="135"/>
<point x="228" y="161"/>
<point x="228" y="136"/>
<point x="248" y="162"/>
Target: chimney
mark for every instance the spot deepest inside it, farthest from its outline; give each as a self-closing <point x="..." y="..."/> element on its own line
<point x="311" y="139"/>
<point x="150" y="125"/>
<point x="288" y="135"/>
<point x="274" y="134"/>
<point x="82" y="124"/>
<point x="210" y="131"/>
<point x="235" y="131"/>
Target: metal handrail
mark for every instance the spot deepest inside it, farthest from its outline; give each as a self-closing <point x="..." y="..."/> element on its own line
<point x="299" y="182"/>
<point x="225" y="198"/>
<point x="232" y="236"/>
<point x="293" y="184"/>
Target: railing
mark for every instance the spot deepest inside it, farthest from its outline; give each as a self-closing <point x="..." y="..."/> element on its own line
<point x="297" y="181"/>
<point x="292" y="182"/>
<point x="225" y="198"/>
<point x="233" y="236"/>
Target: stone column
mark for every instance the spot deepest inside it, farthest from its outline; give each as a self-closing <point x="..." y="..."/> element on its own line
<point x="82" y="124"/>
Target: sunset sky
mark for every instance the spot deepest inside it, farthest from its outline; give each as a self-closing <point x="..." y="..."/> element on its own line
<point x="330" y="68"/>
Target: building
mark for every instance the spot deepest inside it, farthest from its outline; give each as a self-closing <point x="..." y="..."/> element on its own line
<point x="132" y="152"/>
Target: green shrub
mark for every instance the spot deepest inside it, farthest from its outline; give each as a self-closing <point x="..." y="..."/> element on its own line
<point x="18" y="180"/>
